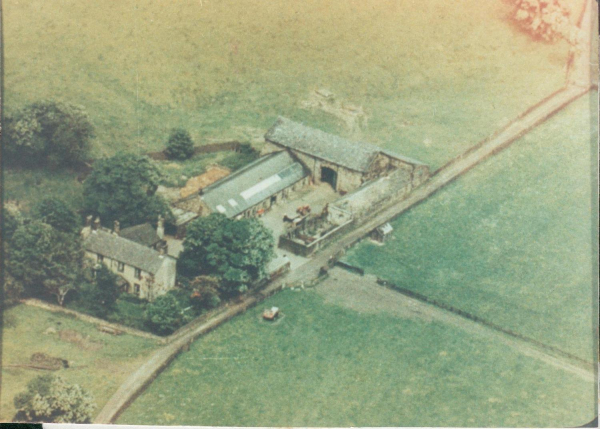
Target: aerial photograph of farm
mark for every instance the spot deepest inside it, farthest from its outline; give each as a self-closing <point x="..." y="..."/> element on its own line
<point x="300" y="213"/>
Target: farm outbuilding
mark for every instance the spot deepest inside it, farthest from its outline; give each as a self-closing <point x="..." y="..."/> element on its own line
<point x="255" y="188"/>
<point x="382" y="233"/>
<point x="342" y="163"/>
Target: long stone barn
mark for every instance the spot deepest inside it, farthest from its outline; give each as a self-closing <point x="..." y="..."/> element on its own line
<point x="344" y="164"/>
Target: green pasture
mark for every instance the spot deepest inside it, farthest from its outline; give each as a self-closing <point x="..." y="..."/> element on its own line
<point x="511" y="241"/>
<point x="324" y="365"/>
<point x="98" y="362"/>
<point x="432" y="77"/>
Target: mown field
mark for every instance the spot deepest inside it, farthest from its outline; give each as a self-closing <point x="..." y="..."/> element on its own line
<point x="325" y="365"/>
<point x="511" y="241"/>
<point x="98" y="362"/>
<point x="433" y="77"/>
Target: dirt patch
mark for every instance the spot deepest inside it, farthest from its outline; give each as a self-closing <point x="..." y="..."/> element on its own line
<point x="363" y="295"/>
<point x="74" y="337"/>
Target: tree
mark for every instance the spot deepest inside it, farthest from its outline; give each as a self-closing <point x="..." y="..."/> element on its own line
<point x="100" y="295"/>
<point x="11" y="221"/>
<point x="180" y="145"/>
<point x="164" y="315"/>
<point x="57" y="132"/>
<point x="44" y="259"/>
<point x="51" y="399"/>
<point x="204" y="292"/>
<point x="13" y="290"/>
<point x="123" y="188"/>
<point x="235" y="251"/>
<point x="57" y="213"/>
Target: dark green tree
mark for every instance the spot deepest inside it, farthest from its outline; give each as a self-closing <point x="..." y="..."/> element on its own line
<point x="11" y="221"/>
<point x="50" y="399"/>
<point x="235" y="251"/>
<point x="48" y="131"/>
<point x="204" y="292"/>
<point x="57" y="213"/>
<point x="180" y="145"/>
<point x="123" y="188"/>
<point x="100" y="295"/>
<point x="44" y="259"/>
<point x="164" y="315"/>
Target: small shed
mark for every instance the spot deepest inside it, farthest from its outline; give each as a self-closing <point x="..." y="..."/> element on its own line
<point x="382" y="233"/>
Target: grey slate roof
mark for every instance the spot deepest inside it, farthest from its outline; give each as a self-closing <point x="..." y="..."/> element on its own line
<point x="254" y="183"/>
<point x="123" y="250"/>
<point x="144" y="234"/>
<point x="356" y="156"/>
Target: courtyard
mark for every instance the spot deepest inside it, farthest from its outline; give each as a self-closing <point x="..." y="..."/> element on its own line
<point x="316" y="196"/>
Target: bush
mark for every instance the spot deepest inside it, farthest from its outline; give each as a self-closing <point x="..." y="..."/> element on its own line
<point x="180" y="145"/>
<point x="237" y="160"/>
<point x="204" y="292"/>
<point x="99" y="296"/>
<point x="51" y="399"/>
<point x="165" y="314"/>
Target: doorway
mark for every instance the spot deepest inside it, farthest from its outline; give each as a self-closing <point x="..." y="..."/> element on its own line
<point x="329" y="175"/>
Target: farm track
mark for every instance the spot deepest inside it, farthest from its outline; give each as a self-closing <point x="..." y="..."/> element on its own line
<point x="355" y="288"/>
<point x="532" y="117"/>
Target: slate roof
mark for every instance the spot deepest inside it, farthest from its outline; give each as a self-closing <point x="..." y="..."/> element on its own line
<point x="254" y="183"/>
<point x="356" y="156"/>
<point x="182" y="216"/>
<point x="123" y="250"/>
<point x="144" y="234"/>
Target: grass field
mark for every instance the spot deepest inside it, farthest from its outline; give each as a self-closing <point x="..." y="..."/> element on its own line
<point x="511" y="241"/>
<point x="433" y="77"/>
<point x="325" y="365"/>
<point x="98" y="362"/>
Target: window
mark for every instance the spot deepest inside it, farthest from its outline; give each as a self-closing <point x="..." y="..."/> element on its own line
<point x="100" y="258"/>
<point x="136" y="289"/>
<point x="138" y="273"/>
<point x="120" y="267"/>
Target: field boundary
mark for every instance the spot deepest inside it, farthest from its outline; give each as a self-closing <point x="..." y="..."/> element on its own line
<point x="552" y="350"/>
<point x="90" y="319"/>
<point x="233" y="146"/>
<point x="181" y="341"/>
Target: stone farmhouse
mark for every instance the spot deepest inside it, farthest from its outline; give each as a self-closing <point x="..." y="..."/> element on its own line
<point x="139" y="258"/>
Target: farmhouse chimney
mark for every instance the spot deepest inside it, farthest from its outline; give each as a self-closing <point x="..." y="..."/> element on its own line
<point x="87" y="229"/>
<point x="160" y="227"/>
<point x="116" y="227"/>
